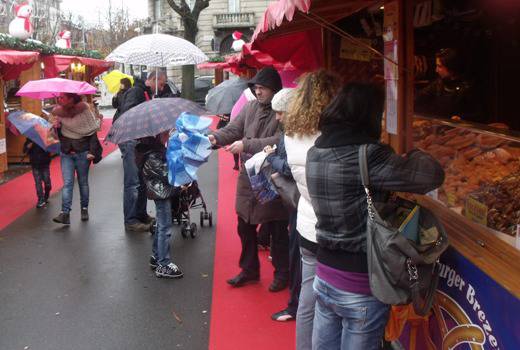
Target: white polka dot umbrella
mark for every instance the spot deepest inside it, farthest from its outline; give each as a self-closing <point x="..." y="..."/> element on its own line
<point x="157" y="50"/>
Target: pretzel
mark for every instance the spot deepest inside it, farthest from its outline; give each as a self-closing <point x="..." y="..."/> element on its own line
<point x="465" y="332"/>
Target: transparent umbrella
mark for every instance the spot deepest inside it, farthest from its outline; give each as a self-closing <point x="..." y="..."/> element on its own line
<point x="157" y="50"/>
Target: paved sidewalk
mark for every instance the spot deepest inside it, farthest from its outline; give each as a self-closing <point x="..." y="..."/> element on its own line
<point x="88" y="286"/>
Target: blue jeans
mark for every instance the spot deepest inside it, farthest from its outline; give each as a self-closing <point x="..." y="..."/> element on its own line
<point x="162" y="237"/>
<point x="42" y="175"/>
<point x="344" y="320"/>
<point x="134" y="193"/>
<point x="305" y="313"/>
<point x="72" y="164"/>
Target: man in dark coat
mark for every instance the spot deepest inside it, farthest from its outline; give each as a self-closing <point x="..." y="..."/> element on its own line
<point x="117" y="100"/>
<point x="253" y="129"/>
<point x="134" y="194"/>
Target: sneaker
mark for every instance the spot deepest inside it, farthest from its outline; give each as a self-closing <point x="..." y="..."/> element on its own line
<point x="63" y="218"/>
<point x="40" y="204"/>
<point x="84" y="214"/>
<point x="283" y="316"/>
<point x="153" y="262"/>
<point x="169" y="271"/>
<point x="137" y="227"/>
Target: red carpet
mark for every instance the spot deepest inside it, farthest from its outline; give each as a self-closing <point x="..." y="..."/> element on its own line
<point x="18" y="195"/>
<point x="241" y="318"/>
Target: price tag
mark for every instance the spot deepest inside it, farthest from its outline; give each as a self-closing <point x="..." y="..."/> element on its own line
<point x="451" y="199"/>
<point x="476" y="211"/>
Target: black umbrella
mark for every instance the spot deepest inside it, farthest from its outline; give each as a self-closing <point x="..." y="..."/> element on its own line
<point x="222" y="98"/>
<point x="151" y="118"/>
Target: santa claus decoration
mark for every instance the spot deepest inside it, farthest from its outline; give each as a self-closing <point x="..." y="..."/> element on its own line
<point x="63" y="41"/>
<point x="237" y="41"/>
<point x="21" y="26"/>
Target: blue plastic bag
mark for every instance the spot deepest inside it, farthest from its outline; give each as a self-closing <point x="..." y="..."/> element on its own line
<point x="263" y="189"/>
<point x="188" y="148"/>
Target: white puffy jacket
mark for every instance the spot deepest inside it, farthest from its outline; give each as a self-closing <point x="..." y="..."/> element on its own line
<point x="296" y="148"/>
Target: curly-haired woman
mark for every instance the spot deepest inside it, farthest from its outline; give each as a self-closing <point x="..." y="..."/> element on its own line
<point x="314" y="92"/>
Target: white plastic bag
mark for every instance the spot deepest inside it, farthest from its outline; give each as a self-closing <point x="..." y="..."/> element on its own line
<point x="254" y="164"/>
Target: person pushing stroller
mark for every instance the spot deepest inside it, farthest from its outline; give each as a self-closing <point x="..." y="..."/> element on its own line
<point x="151" y="162"/>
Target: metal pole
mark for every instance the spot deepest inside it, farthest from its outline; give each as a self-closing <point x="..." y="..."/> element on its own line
<point x="156" y="76"/>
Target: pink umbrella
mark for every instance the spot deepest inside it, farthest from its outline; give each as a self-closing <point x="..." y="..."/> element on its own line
<point x="50" y="88"/>
<point x="246" y="96"/>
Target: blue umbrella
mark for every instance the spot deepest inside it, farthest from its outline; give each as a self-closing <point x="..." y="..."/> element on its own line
<point x="37" y="129"/>
<point x="188" y="149"/>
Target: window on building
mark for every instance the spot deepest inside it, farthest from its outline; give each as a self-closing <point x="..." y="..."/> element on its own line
<point x="234" y="5"/>
<point x="157" y="9"/>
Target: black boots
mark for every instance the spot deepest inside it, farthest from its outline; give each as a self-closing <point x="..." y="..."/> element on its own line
<point x="63" y="218"/>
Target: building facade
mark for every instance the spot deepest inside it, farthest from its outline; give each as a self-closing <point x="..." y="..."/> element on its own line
<point x="216" y="23"/>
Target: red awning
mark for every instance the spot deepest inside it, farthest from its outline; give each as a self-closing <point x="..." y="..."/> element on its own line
<point x="289" y="16"/>
<point x="54" y="64"/>
<point x="213" y="65"/>
<point x="303" y="50"/>
<point x="13" y="62"/>
<point x="247" y="59"/>
<point x="288" y="30"/>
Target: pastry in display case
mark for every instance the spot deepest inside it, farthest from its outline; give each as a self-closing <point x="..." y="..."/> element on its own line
<point x="482" y="168"/>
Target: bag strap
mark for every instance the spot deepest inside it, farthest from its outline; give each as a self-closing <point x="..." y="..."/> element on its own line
<point x="363" y="168"/>
<point x="421" y="305"/>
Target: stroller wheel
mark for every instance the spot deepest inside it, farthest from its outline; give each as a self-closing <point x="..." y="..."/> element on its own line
<point x="193" y="230"/>
<point x="210" y="219"/>
<point x="201" y="219"/>
<point x="184" y="230"/>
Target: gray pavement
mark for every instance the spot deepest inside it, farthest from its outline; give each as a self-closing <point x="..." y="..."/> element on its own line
<point x="88" y="286"/>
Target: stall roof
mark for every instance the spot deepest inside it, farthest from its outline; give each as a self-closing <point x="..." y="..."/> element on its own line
<point x="13" y="62"/>
<point x="54" y="64"/>
<point x="290" y="16"/>
<point x="290" y="30"/>
<point x="248" y="58"/>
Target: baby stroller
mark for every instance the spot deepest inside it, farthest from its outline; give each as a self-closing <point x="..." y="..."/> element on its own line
<point x="185" y="198"/>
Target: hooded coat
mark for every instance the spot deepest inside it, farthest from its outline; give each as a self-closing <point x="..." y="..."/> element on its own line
<point x="257" y="127"/>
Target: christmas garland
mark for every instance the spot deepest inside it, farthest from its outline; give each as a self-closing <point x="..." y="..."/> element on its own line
<point x="217" y="59"/>
<point x="9" y="42"/>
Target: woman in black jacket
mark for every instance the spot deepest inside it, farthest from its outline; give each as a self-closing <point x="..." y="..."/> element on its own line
<point x="151" y="161"/>
<point x="347" y="316"/>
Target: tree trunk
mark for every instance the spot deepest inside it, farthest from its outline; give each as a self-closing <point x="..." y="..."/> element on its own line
<point x="188" y="71"/>
<point x="188" y="82"/>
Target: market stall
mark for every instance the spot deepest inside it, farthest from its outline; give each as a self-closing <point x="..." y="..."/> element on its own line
<point x="54" y="65"/>
<point x="75" y="67"/>
<point x="14" y="65"/>
<point x="476" y="139"/>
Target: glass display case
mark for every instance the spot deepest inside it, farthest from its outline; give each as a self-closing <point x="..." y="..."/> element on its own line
<point x="482" y="168"/>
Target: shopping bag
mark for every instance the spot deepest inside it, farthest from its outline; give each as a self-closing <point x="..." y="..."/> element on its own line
<point x="259" y="176"/>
